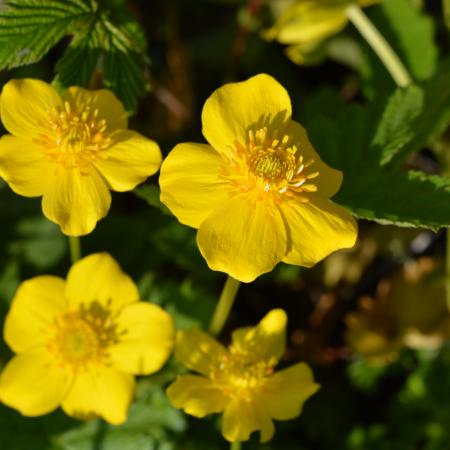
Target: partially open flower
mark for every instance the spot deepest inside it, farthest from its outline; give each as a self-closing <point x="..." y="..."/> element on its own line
<point x="71" y="150"/>
<point x="79" y="342"/>
<point x="241" y="381"/>
<point x="259" y="193"/>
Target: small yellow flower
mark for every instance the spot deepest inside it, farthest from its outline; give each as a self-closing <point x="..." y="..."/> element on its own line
<point x="259" y="193"/>
<point x="71" y="150"/>
<point x="306" y="23"/>
<point x="240" y="381"/>
<point x="79" y="342"/>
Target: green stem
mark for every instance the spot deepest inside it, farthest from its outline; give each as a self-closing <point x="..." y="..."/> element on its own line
<point x="447" y="268"/>
<point x="224" y="306"/>
<point x="75" y="248"/>
<point x="379" y="45"/>
<point x="235" y="445"/>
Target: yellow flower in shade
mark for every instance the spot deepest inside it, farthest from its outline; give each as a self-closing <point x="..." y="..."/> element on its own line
<point x="71" y="150"/>
<point x="259" y="193"/>
<point x="80" y="341"/>
<point x="240" y="381"/>
<point x="305" y="24"/>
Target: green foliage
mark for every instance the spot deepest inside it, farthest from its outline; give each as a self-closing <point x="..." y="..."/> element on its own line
<point x="105" y="39"/>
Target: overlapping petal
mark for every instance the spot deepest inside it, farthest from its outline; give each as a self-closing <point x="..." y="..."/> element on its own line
<point x="98" y="277"/>
<point x="100" y="391"/>
<point x="147" y="336"/>
<point x="243" y="237"/>
<point x="196" y="395"/>
<point x="232" y="109"/>
<point x="25" y="106"/>
<point x="33" y="383"/>
<point x="24" y="166"/>
<point x="316" y="229"/>
<point x="76" y="200"/>
<point x="191" y="182"/>
<point x="129" y="161"/>
<point x="34" y="307"/>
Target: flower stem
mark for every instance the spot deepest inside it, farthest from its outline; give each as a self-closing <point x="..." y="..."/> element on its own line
<point x="224" y="306"/>
<point x="235" y="445"/>
<point x="75" y="248"/>
<point x="379" y="45"/>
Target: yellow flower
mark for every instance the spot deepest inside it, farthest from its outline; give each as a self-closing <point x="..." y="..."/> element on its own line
<point x="306" y="23"/>
<point x="240" y="380"/>
<point x="258" y="194"/>
<point x="71" y="150"/>
<point x="79" y="342"/>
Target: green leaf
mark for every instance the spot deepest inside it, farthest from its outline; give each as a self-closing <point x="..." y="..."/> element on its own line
<point x="30" y="28"/>
<point x="363" y="143"/>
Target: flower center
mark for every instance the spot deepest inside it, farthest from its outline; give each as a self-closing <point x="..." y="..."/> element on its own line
<point x="269" y="162"/>
<point x="74" y="138"/>
<point x="83" y="336"/>
<point x="239" y="374"/>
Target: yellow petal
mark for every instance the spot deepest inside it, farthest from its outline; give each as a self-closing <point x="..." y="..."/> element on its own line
<point x="104" y="101"/>
<point x="242" y="417"/>
<point x="76" y="200"/>
<point x="286" y="391"/>
<point x="24" y="166"/>
<point x="25" y="105"/>
<point x="308" y="21"/>
<point x="34" y="307"/>
<point x="197" y="350"/>
<point x="266" y="341"/>
<point x="329" y="180"/>
<point x="129" y="161"/>
<point x="33" y="383"/>
<point x="196" y="395"/>
<point x="100" y="391"/>
<point x="98" y="277"/>
<point x="191" y="186"/>
<point x="243" y="238"/>
<point x="147" y="336"/>
<point x="316" y="229"/>
<point x="235" y="107"/>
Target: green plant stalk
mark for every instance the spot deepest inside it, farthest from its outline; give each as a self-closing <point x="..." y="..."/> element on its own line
<point x="235" y="445"/>
<point x="224" y="306"/>
<point x="379" y="45"/>
<point x="75" y="248"/>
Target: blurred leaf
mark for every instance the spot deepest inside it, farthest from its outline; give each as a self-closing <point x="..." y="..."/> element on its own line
<point x="366" y="376"/>
<point x="150" y="193"/>
<point x="446" y="8"/>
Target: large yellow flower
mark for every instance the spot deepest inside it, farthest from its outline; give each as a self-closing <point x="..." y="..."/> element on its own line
<point x="79" y="342"/>
<point x="71" y="150"/>
<point x="240" y="380"/>
<point x="306" y="23"/>
<point x="258" y="194"/>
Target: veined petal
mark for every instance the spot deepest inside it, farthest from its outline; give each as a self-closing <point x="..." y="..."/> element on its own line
<point x="76" y="200"/>
<point x="266" y="341"/>
<point x="98" y="277"/>
<point x="34" y="307"/>
<point x="308" y="21"/>
<point x="129" y="161"/>
<point x="147" y="336"/>
<point x="234" y="108"/>
<point x="191" y="186"/>
<point x="286" y="391"/>
<point x="197" y="350"/>
<point x="100" y="391"/>
<point x="241" y="418"/>
<point x="316" y="229"/>
<point x="243" y="238"/>
<point x="329" y="180"/>
<point x="196" y="395"/>
<point x="104" y="101"/>
<point x="33" y="383"/>
<point x="24" y="166"/>
<point x="25" y="105"/>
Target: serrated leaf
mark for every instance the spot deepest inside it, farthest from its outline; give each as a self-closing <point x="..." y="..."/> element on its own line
<point x="30" y="28"/>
